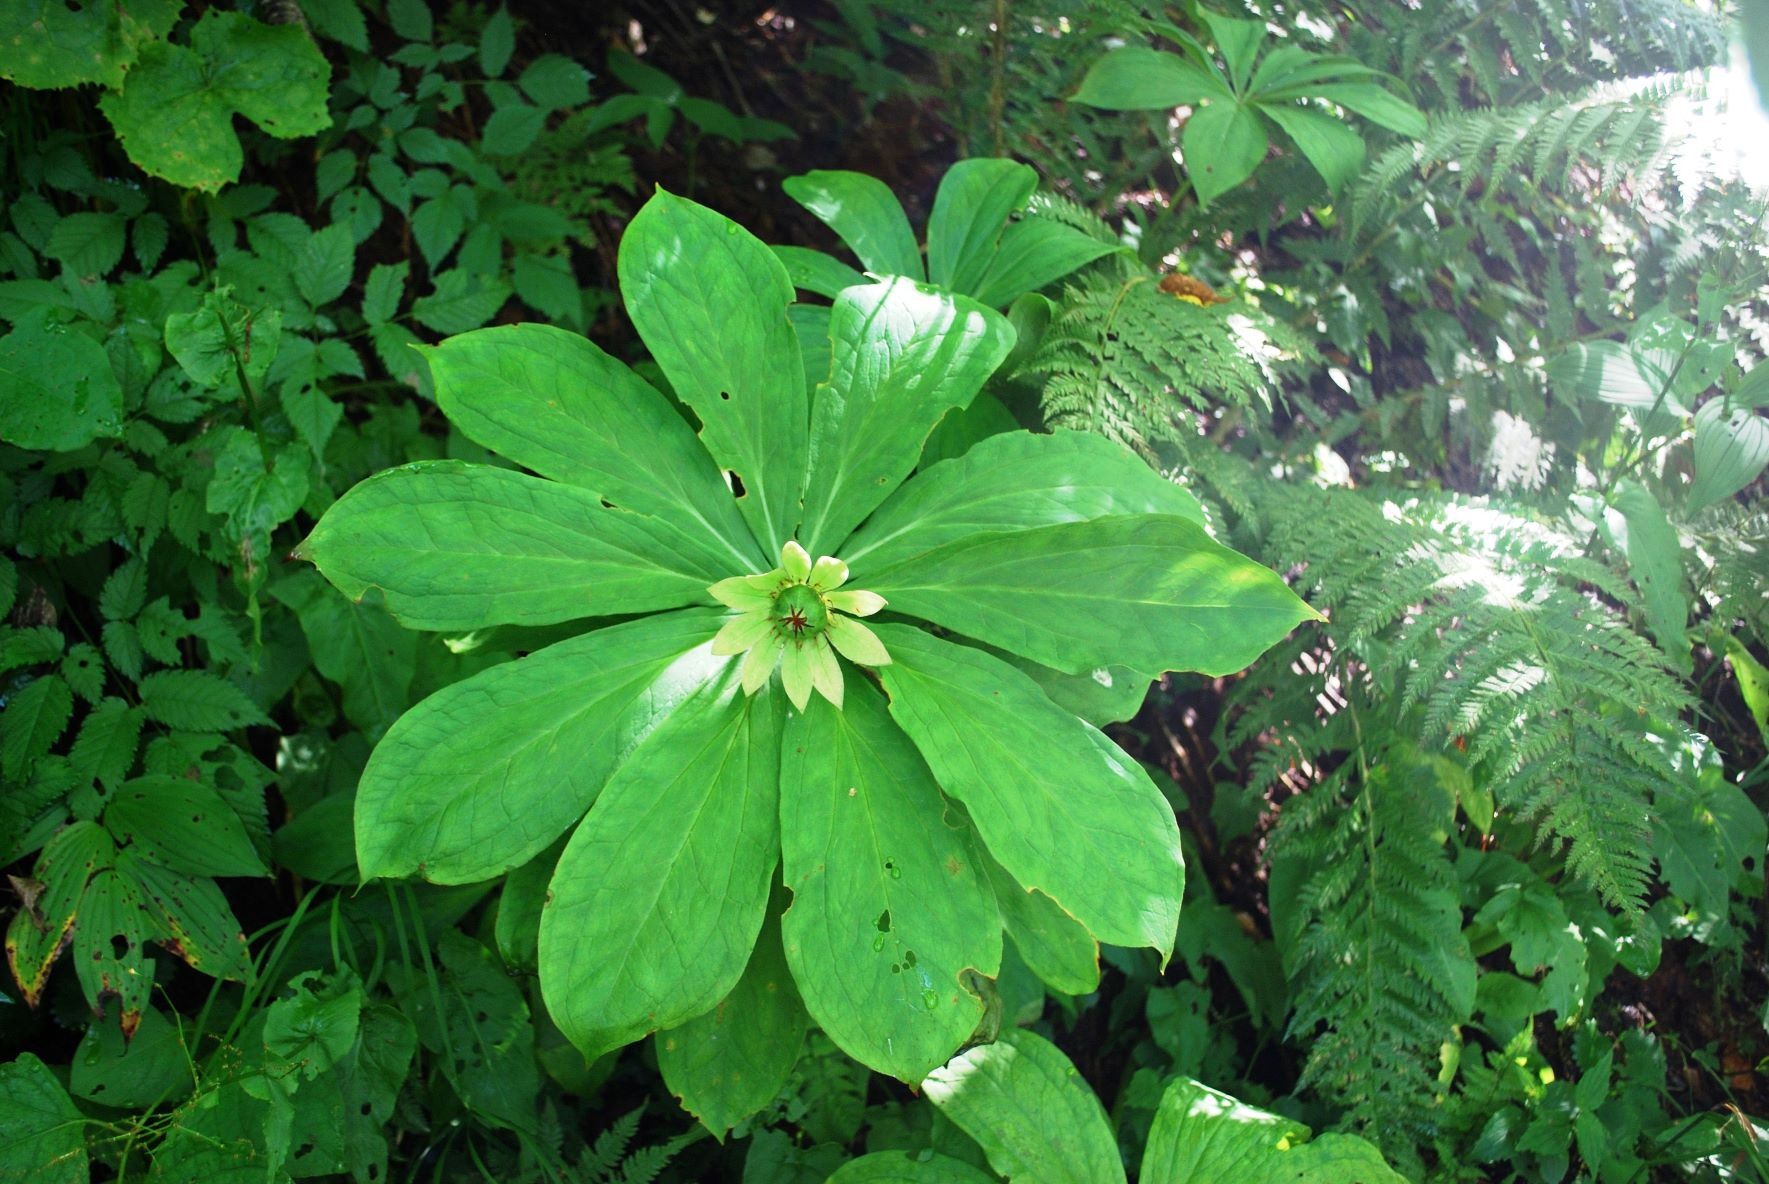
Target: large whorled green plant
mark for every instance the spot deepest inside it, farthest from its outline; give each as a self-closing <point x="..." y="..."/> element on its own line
<point x="921" y="801"/>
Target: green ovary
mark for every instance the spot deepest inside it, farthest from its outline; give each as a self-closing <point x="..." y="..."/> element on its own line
<point x="799" y="612"/>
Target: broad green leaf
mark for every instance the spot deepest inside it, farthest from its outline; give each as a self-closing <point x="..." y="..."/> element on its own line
<point x="1708" y="843"/>
<point x="1035" y="252"/>
<point x="61" y="393"/>
<point x="205" y="342"/>
<point x="461" y="546"/>
<point x="483" y="774"/>
<point x="1753" y="682"/>
<point x="972" y="205"/>
<point x="908" y="1167"/>
<point x="555" y="81"/>
<point x="903" y="355"/>
<point x="1106" y="695"/>
<point x="890" y="908"/>
<point x="151" y="1067"/>
<point x="1012" y="481"/>
<point x="1655" y="560"/>
<point x="726" y="1065"/>
<point x="1335" y="150"/>
<point x="175" y="110"/>
<point x="182" y="825"/>
<point x="50" y="44"/>
<point x="358" y="646"/>
<point x="1731" y="448"/>
<point x="108" y="953"/>
<point x="255" y="493"/>
<point x="190" y="917"/>
<point x="197" y="701"/>
<point x="1056" y="947"/>
<point x="1028" y="1107"/>
<point x="38" y="930"/>
<point x="315" y="1028"/>
<point x="710" y="302"/>
<point x="1137" y="78"/>
<point x="866" y="215"/>
<point x="1056" y="803"/>
<point x="1223" y="143"/>
<point x="660" y="894"/>
<point x="1201" y="1136"/>
<point x="1290" y="72"/>
<point x="1609" y="371"/>
<point x="813" y="271"/>
<point x="553" y="402"/>
<point x="42" y="1135"/>
<point x="497" y="41"/>
<point x="1376" y="105"/>
<point x="1148" y="591"/>
<point x="1239" y="42"/>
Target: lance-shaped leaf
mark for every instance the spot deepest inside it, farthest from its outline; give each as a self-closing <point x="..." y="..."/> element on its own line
<point x="1137" y="78"/>
<point x="1148" y="591"/>
<point x="39" y="929"/>
<point x="867" y="216"/>
<point x="658" y="898"/>
<point x="1013" y="481"/>
<point x="903" y="355"/>
<point x="461" y="546"/>
<point x="729" y="1063"/>
<point x="1335" y="150"/>
<point x="1223" y="144"/>
<point x="108" y="954"/>
<point x="190" y="917"/>
<point x="890" y="907"/>
<point x="553" y="402"/>
<point x="1201" y="1135"/>
<point x="486" y="772"/>
<point x="971" y="207"/>
<point x="184" y="826"/>
<point x="1056" y="947"/>
<point x="1033" y="253"/>
<point x="1057" y="804"/>
<point x="1027" y="1106"/>
<point x="710" y="302"/>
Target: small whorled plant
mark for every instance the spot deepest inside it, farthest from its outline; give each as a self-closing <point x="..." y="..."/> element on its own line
<point x="913" y="808"/>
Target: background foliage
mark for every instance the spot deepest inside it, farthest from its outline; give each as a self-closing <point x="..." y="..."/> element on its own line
<point x="1476" y="867"/>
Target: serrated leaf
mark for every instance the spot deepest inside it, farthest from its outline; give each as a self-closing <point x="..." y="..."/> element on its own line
<point x="710" y="302"/>
<point x="196" y="701"/>
<point x="460" y="794"/>
<point x="221" y="338"/>
<point x="1053" y="799"/>
<point x="461" y="546"/>
<point x="122" y="645"/>
<point x="124" y="591"/>
<point x="29" y="647"/>
<point x="1028" y="1107"/>
<point x="50" y="44"/>
<point x="174" y="112"/>
<point x="660" y="893"/>
<point x="512" y="129"/>
<point x="87" y="244"/>
<point x="182" y="825"/>
<point x="105" y="748"/>
<point x="903" y="354"/>
<point x="460" y="301"/>
<point x="34" y="719"/>
<point x="325" y="265"/>
<point x="555" y="82"/>
<point x="384" y="291"/>
<point x="890" y="910"/>
<point x="497" y="41"/>
<point x="411" y="19"/>
<point x="547" y="284"/>
<point x="726" y="1065"/>
<point x="83" y="667"/>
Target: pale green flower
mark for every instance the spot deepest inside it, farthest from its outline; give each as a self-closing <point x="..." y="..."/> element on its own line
<point x="790" y="618"/>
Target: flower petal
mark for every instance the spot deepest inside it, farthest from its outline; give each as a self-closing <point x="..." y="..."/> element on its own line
<point x="860" y="604"/>
<point x="828" y="573"/>
<point x="740" y="633"/>
<point x="796" y="673"/>
<point x="738" y="593"/>
<point x="856" y="642"/>
<point x="795" y="560"/>
<point x="826" y="672"/>
<point x="758" y="664"/>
